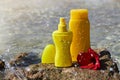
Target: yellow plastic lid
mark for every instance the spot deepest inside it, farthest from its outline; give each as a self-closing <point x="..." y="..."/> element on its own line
<point x="48" y="54"/>
<point x="79" y="14"/>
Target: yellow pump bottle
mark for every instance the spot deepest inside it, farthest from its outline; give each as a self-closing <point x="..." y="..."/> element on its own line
<point x="80" y="26"/>
<point x="62" y="40"/>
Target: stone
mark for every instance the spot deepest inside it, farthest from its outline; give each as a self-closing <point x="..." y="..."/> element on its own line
<point x="25" y="59"/>
<point x="2" y="65"/>
<point x="50" y="72"/>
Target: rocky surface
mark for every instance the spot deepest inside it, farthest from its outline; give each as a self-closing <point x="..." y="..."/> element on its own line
<point x="108" y="71"/>
<point x="25" y="59"/>
<point x="2" y="65"/>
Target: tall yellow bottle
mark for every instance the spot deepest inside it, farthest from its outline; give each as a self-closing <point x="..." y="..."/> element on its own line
<point x="62" y="40"/>
<point x="80" y="26"/>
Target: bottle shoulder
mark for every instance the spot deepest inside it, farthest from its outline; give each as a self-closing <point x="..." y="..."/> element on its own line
<point x="62" y="33"/>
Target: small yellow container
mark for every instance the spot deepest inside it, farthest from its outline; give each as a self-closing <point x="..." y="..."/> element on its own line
<point x="62" y="40"/>
<point x="48" y="55"/>
<point x="80" y="26"/>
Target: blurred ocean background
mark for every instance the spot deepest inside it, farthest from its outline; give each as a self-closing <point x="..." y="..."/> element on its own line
<point x="27" y="25"/>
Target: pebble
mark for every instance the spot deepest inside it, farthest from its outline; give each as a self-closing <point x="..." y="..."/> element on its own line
<point x="27" y="69"/>
<point x="76" y="65"/>
<point x="102" y="71"/>
<point x="111" y="69"/>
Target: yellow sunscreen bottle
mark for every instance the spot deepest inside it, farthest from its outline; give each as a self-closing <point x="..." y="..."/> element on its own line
<point x="80" y="26"/>
<point x="62" y="40"/>
<point x="48" y="54"/>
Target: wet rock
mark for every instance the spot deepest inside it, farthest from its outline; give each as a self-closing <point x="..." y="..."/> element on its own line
<point x="111" y="72"/>
<point x="105" y="60"/>
<point x="2" y="65"/>
<point x="105" y="53"/>
<point x="15" y="74"/>
<point x="115" y="67"/>
<point x="25" y="59"/>
<point x="41" y="71"/>
<point x="18" y="59"/>
<point x="34" y="75"/>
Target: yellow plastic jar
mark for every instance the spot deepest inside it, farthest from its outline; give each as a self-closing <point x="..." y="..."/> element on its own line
<point x="80" y="26"/>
